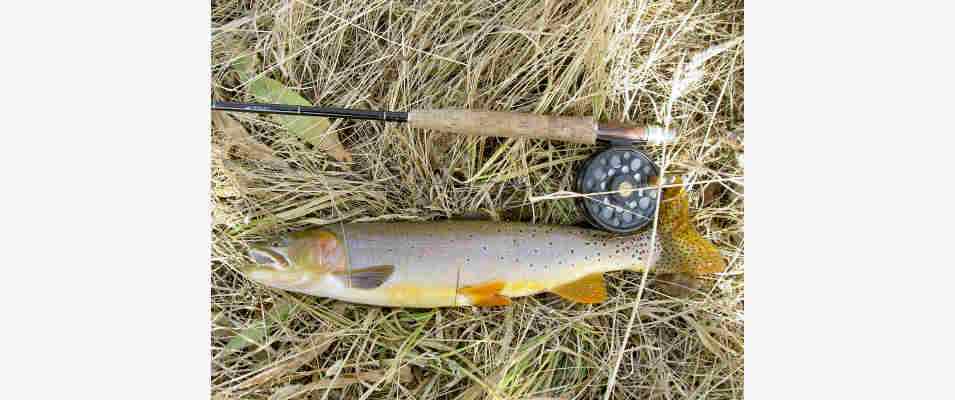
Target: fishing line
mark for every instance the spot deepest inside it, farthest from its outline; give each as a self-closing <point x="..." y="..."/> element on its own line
<point x="612" y="380"/>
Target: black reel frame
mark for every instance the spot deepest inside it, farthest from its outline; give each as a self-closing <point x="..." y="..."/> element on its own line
<point x="625" y="173"/>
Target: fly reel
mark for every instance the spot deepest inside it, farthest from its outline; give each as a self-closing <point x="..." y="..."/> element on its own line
<point x="615" y="184"/>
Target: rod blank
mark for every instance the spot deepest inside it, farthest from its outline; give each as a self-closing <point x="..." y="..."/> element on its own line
<point x="327" y="112"/>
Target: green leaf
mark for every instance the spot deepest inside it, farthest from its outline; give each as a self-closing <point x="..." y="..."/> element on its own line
<point x="281" y="311"/>
<point x="313" y="130"/>
<point x="310" y="129"/>
<point x="252" y="335"/>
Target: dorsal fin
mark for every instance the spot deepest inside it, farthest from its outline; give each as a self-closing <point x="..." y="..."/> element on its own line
<point x="589" y="289"/>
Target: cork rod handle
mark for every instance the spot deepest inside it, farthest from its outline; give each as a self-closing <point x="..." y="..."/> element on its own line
<point x="495" y="123"/>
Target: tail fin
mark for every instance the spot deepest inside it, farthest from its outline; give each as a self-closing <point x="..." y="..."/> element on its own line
<point x="683" y="248"/>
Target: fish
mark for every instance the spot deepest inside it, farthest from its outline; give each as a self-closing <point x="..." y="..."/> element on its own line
<point x="457" y="263"/>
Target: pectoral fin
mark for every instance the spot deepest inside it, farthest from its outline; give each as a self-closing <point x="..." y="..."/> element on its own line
<point x="367" y="278"/>
<point x="589" y="289"/>
<point x="486" y="294"/>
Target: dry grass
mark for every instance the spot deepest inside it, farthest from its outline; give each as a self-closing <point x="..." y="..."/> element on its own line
<point x="673" y="62"/>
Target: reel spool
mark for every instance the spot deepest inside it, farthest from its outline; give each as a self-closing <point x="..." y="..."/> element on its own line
<point x="626" y="172"/>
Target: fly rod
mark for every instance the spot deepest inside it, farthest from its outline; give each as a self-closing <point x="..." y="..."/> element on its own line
<point x="583" y="130"/>
<point x="612" y="180"/>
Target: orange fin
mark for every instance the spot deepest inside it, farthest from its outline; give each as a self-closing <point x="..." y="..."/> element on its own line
<point x="589" y="289"/>
<point x="486" y="294"/>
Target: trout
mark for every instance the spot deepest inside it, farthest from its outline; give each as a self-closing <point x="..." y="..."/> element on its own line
<point x="476" y="263"/>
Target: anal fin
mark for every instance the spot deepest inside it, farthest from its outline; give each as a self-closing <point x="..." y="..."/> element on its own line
<point x="589" y="289"/>
<point x="486" y="294"/>
<point x="369" y="277"/>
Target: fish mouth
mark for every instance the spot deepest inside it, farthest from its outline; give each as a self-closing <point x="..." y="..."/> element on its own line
<point x="271" y="266"/>
<point x="275" y="258"/>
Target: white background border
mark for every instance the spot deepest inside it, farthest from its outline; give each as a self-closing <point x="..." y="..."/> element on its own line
<point x="106" y="238"/>
<point x="106" y="211"/>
